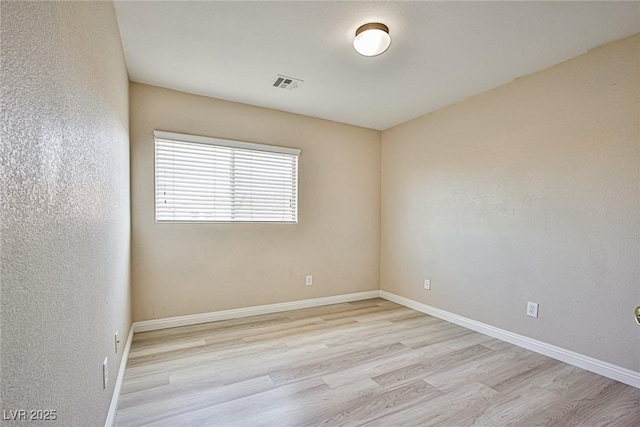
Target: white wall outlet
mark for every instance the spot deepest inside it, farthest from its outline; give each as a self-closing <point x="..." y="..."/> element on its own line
<point x="309" y="281"/>
<point x="105" y="372"/>
<point x="427" y="284"/>
<point x="116" y="342"/>
<point x="532" y="309"/>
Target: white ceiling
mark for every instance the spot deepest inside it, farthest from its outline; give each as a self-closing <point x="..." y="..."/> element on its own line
<point x="441" y="52"/>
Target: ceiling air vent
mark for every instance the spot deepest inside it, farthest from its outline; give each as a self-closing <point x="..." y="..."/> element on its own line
<point x="288" y="83"/>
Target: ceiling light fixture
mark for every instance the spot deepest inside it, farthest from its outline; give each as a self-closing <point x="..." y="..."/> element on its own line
<point x="372" y="39"/>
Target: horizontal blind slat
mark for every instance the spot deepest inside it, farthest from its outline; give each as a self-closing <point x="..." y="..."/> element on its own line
<point x="217" y="175"/>
<point x="249" y="186"/>
<point x="203" y="148"/>
<point x="168" y="157"/>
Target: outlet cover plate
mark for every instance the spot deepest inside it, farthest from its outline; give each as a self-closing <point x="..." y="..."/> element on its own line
<point x="427" y="284"/>
<point x="532" y="309"/>
<point x="309" y="280"/>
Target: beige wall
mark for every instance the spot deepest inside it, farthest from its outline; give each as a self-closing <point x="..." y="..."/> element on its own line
<point x="65" y="208"/>
<point x="528" y="192"/>
<point x="180" y="269"/>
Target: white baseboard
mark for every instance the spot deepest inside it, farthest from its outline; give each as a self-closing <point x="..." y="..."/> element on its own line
<point x="194" y="319"/>
<point x="600" y="367"/>
<point x="113" y="408"/>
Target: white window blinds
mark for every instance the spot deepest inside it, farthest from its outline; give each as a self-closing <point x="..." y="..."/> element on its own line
<point x="205" y="179"/>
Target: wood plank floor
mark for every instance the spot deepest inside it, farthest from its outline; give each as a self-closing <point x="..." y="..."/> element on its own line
<point x="370" y="362"/>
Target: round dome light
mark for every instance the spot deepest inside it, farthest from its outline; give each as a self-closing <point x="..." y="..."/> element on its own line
<point x="372" y="39"/>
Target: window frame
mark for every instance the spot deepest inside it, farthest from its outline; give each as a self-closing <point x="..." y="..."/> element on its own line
<point x="230" y="143"/>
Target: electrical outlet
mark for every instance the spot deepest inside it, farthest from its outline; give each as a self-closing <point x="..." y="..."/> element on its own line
<point x="532" y="309"/>
<point x="105" y="372"/>
<point x="116" y="341"/>
<point x="427" y="284"/>
<point x="309" y="281"/>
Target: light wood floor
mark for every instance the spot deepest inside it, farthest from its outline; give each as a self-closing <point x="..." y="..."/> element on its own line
<point x="364" y="363"/>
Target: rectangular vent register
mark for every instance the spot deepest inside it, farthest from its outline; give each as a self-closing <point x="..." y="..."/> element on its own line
<point x="288" y="83"/>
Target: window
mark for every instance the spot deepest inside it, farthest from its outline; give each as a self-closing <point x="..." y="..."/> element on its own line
<point x="205" y="179"/>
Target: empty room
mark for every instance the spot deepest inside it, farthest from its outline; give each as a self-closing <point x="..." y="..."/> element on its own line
<point x="303" y="213"/>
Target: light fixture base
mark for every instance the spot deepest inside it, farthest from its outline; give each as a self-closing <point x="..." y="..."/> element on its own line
<point x="372" y="26"/>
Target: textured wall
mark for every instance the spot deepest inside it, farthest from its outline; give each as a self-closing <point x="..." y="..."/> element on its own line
<point x="180" y="269"/>
<point x="528" y="192"/>
<point x="65" y="208"/>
